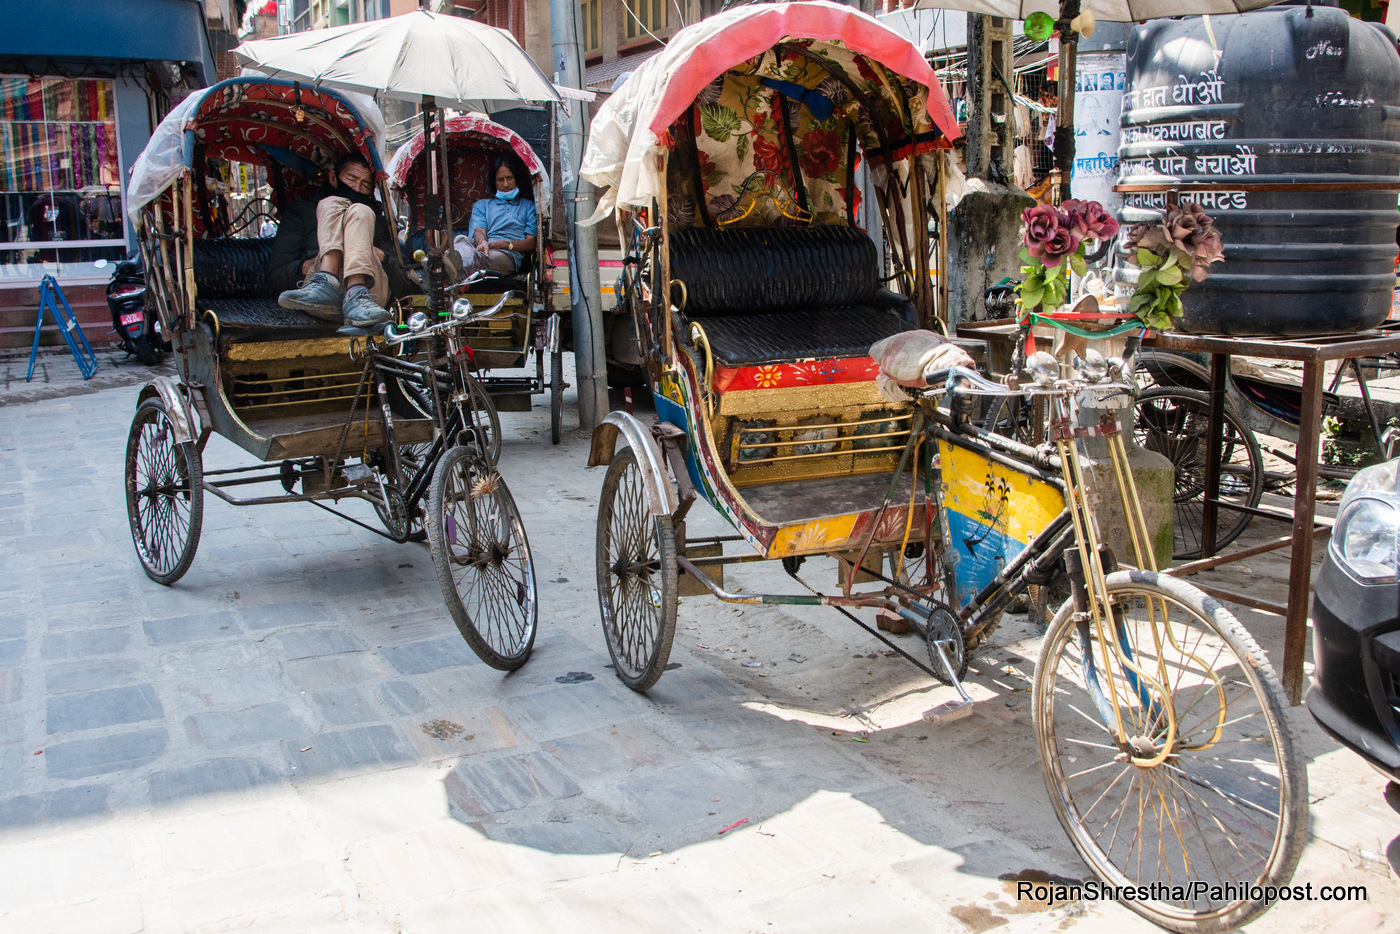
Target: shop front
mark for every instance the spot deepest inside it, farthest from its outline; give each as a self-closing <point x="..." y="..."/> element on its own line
<point x="81" y="88"/>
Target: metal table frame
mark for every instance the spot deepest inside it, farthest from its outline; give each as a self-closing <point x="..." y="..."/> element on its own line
<point x="1313" y="353"/>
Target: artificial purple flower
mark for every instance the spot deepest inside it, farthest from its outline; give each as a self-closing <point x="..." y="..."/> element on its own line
<point x="1040" y="224"/>
<point x="1060" y="244"/>
<point x="1090" y="221"/>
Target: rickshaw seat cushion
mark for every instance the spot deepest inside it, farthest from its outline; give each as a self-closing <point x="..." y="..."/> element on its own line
<point x="781" y="337"/>
<point x="260" y="318"/>
<point x="232" y="268"/>
<point x="761" y="270"/>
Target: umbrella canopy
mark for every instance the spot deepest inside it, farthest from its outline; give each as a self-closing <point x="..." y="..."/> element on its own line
<point x="1119" y="11"/>
<point x="458" y="62"/>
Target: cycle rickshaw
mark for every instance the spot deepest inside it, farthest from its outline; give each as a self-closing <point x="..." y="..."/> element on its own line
<point x="327" y="417"/>
<point x="1160" y="727"/>
<point x="526" y="329"/>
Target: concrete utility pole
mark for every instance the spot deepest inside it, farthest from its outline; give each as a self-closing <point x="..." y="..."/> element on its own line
<point x="984" y="241"/>
<point x="584" y="292"/>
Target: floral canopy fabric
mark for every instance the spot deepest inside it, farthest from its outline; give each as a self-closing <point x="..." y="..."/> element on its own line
<point x="814" y="105"/>
<point x="723" y="73"/>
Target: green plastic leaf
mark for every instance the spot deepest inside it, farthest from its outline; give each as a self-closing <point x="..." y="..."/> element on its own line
<point x="1169" y="260"/>
<point x="1139" y="301"/>
<point x="1147" y="279"/>
<point x="1026" y="258"/>
<point x="1031" y="297"/>
<point x="1077" y="263"/>
<point x="719" y="122"/>
<point x="1169" y="275"/>
<point x="1146" y="257"/>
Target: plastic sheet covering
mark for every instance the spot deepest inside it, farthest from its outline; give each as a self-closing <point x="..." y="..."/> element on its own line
<point x="625" y="147"/>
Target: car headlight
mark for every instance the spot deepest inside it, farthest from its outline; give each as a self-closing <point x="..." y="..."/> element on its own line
<point x="1366" y="537"/>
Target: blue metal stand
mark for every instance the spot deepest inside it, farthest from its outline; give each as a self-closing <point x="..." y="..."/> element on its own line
<point x="51" y="297"/>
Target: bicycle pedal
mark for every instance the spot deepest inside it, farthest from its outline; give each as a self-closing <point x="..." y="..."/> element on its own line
<point x="948" y="711"/>
<point x="356" y="474"/>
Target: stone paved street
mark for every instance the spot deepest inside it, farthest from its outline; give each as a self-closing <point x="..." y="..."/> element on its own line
<point x="295" y="738"/>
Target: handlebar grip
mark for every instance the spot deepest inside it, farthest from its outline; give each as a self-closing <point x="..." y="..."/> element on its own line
<point x="936" y="378"/>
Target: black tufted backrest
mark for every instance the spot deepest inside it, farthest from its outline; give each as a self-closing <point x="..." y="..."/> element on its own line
<point x="232" y="268"/>
<point x="752" y="270"/>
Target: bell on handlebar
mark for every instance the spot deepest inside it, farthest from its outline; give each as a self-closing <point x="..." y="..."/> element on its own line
<point x="1043" y="368"/>
<point x="1092" y="367"/>
<point x="462" y="309"/>
<point x="417" y="321"/>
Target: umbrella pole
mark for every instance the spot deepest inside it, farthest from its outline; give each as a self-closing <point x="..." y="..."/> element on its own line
<point x="1064" y="118"/>
<point x="433" y="268"/>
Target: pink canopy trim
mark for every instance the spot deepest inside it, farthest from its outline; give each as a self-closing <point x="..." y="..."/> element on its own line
<point x="769" y="25"/>
<point x="405" y="155"/>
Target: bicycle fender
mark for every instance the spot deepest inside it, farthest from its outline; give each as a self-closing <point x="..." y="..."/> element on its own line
<point x="175" y="406"/>
<point x="661" y="495"/>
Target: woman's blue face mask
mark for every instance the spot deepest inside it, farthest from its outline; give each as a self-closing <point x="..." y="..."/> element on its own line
<point x="508" y="195"/>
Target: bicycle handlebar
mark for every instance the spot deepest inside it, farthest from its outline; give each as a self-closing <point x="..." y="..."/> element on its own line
<point x="394" y="335"/>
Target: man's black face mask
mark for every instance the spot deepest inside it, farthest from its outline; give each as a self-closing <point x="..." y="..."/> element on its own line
<point x="345" y="191"/>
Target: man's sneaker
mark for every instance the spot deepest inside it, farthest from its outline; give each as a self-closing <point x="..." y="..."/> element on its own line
<point x="320" y="297"/>
<point x="360" y="310"/>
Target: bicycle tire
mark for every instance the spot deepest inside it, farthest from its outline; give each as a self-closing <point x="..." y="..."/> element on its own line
<point x="478" y="544"/>
<point x="637" y="576"/>
<point x="1216" y="773"/>
<point x="1174" y="422"/>
<point x="164" y="494"/>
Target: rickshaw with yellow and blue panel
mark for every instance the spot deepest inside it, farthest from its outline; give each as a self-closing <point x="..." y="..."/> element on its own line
<point x="821" y="415"/>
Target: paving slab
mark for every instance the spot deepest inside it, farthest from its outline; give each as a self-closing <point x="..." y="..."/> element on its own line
<point x="295" y="738"/>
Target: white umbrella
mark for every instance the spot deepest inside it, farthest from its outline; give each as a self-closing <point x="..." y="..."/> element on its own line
<point x="458" y="62"/>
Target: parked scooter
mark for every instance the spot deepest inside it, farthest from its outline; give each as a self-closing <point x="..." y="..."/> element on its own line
<point x="136" y="329"/>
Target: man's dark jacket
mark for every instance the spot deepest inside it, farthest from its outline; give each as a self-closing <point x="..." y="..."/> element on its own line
<point x="296" y="243"/>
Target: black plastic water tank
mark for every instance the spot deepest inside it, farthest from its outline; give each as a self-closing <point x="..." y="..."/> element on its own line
<point x="1286" y="95"/>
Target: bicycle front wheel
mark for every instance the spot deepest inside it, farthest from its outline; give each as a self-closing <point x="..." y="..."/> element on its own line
<point x="1225" y="808"/>
<point x="483" y="561"/>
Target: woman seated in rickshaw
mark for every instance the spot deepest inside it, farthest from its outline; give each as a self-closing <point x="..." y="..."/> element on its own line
<point x="503" y="228"/>
<point x="333" y="256"/>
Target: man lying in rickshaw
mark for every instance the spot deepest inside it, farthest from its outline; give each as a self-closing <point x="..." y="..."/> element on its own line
<point x="333" y="256"/>
<point x="503" y="228"/>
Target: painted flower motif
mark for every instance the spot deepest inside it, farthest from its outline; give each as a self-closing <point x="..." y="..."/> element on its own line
<point x="855" y="198"/>
<point x="709" y="172"/>
<point x="821" y="153"/>
<point x="768" y="155"/>
<point x="865" y="70"/>
<point x="766" y="377"/>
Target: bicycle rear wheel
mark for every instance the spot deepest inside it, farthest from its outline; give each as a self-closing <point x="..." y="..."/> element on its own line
<point x="1228" y="803"/>
<point x="1175" y="423"/>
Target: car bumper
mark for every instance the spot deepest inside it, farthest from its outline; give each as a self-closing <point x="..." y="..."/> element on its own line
<point x="1356" y="653"/>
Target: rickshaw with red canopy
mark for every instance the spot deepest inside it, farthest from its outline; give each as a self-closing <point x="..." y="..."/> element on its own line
<point x="526" y="329"/>
<point x="821" y="416"/>
<point x="329" y="418"/>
